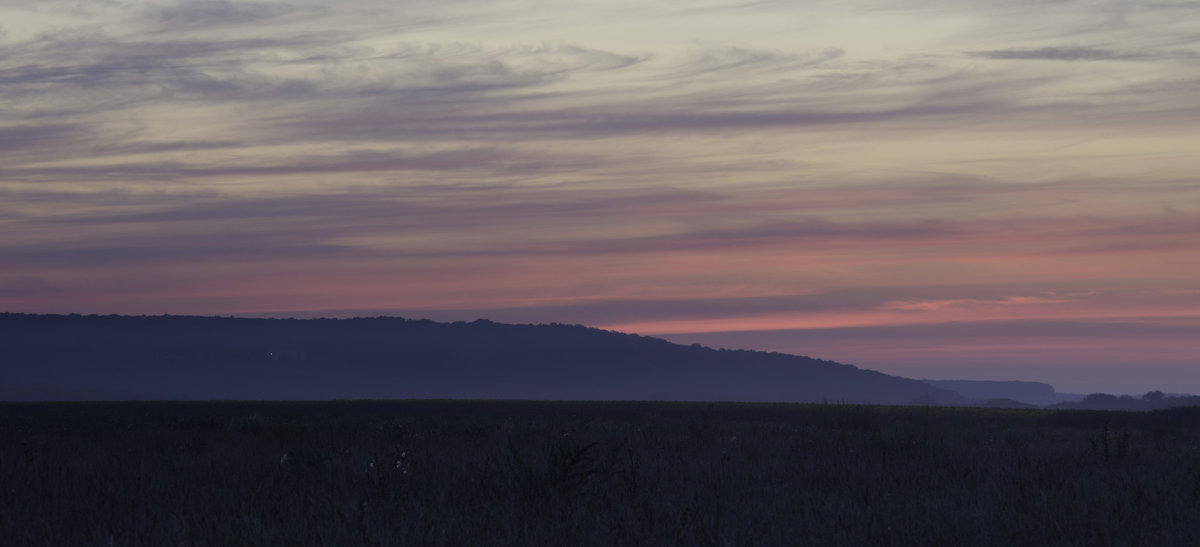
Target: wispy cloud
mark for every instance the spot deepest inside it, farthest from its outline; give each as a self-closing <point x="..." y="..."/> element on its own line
<point x="22" y="138"/>
<point x="346" y="162"/>
<point x="219" y="13"/>
<point x="1082" y="53"/>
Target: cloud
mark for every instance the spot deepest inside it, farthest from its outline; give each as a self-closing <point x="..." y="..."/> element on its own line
<point x="719" y="63"/>
<point x="87" y="75"/>
<point x="347" y="162"/>
<point x="346" y="85"/>
<point x="152" y="147"/>
<point x="617" y="310"/>
<point x="883" y="317"/>
<point x="910" y="305"/>
<point x="47" y="137"/>
<point x="27" y="285"/>
<point x="550" y="223"/>
<point x="1080" y="53"/>
<point x="420" y="221"/>
<point x="692" y="114"/>
<point x="219" y="13"/>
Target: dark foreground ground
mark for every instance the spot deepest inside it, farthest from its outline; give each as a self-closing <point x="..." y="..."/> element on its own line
<point x="563" y="473"/>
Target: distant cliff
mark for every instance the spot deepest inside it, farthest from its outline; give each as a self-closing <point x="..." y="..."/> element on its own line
<point x="118" y="357"/>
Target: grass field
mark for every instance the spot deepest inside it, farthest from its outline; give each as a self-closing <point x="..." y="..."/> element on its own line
<point x="578" y="473"/>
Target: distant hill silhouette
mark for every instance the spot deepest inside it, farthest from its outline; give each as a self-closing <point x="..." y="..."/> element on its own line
<point x="1154" y="400"/>
<point x="1030" y="393"/>
<point x="1006" y="403"/>
<point x="137" y="357"/>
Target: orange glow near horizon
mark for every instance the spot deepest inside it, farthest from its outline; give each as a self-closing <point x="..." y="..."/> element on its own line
<point x="914" y="313"/>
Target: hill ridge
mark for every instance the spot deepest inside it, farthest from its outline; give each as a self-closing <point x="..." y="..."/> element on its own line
<point x="204" y="357"/>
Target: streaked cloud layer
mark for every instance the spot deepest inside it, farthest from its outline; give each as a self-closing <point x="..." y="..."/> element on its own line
<point x="935" y="189"/>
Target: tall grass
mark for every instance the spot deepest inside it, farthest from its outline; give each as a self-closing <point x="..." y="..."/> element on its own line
<point x="522" y="473"/>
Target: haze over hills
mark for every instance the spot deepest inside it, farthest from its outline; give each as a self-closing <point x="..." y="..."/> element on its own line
<point x="1034" y="393"/>
<point x="128" y="357"/>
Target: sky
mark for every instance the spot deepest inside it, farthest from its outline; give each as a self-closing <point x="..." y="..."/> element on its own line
<point x="944" y="189"/>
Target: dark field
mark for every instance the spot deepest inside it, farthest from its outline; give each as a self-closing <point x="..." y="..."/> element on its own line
<point x="565" y="473"/>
